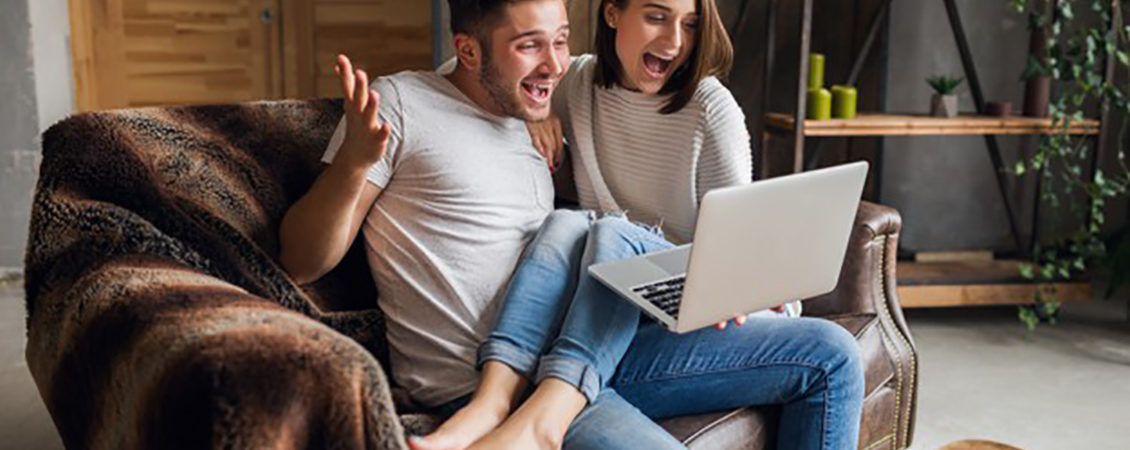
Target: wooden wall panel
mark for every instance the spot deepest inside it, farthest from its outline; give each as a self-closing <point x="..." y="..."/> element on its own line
<point x="381" y="36"/>
<point x="200" y="51"/>
<point x="299" y="70"/>
<point x="96" y="27"/>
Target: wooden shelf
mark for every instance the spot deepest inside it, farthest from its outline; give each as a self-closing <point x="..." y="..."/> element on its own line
<point x="972" y="283"/>
<point x="995" y="271"/>
<point x="883" y="124"/>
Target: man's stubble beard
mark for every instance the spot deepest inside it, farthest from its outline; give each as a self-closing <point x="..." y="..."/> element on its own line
<point x="506" y="100"/>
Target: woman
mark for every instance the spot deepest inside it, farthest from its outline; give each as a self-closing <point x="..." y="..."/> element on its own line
<point x="651" y="131"/>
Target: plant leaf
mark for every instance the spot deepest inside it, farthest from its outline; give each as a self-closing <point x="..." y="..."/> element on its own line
<point x="1029" y="317"/>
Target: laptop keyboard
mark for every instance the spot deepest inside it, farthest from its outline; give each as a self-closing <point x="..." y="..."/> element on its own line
<point x="666" y="295"/>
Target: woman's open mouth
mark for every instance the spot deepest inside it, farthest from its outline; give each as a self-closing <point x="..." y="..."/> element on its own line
<point x="656" y="66"/>
<point x="538" y="91"/>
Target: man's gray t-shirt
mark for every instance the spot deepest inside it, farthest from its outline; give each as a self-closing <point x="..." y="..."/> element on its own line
<point x="463" y="192"/>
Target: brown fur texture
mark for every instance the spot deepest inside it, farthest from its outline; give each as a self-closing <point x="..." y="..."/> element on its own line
<point x="158" y="316"/>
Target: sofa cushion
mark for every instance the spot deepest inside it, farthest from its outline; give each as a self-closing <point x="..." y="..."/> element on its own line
<point x="741" y="428"/>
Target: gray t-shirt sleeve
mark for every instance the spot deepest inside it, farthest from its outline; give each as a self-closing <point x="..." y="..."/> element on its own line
<point x="392" y="113"/>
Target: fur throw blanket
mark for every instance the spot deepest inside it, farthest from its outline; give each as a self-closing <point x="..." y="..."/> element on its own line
<point x="158" y="316"/>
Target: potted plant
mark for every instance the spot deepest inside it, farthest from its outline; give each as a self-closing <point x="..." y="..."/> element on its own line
<point x="944" y="103"/>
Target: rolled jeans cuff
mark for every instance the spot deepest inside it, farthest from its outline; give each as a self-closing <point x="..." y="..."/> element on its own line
<point x="521" y="361"/>
<point x="581" y="375"/>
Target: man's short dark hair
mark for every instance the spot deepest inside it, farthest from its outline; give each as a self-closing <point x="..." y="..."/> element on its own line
<point x="477" y="18"/>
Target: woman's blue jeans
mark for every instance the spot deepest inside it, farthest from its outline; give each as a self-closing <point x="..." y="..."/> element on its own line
<point x="557" y="321"/>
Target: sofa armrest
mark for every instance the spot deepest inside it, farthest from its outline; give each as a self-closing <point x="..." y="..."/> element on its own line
<point x="143" y="353"/>
<point x="868" y="288"/>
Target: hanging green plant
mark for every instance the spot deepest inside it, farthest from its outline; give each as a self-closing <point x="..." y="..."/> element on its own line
<point x="1075" y="59"/>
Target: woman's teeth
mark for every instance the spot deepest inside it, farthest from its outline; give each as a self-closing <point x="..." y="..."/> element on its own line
<point x="656" y="65"/>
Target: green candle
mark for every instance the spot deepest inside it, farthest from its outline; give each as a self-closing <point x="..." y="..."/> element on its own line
<point x="815" y="71"/>
<point x="819" y="104"/>
<point x="844" y="101"/>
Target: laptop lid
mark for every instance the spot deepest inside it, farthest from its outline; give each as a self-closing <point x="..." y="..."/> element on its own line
<point x="770" y="242"/>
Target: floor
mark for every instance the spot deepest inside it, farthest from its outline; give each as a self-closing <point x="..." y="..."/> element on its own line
<point x="24" y="422"/>
<point x="985" y="376"/>
<point x="982" y="376"/>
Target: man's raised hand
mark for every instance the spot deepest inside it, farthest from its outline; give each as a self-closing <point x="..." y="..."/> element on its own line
<point x="366" y="138"/>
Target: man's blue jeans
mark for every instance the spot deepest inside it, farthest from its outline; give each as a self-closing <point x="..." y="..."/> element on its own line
<point x="557" y="321"/>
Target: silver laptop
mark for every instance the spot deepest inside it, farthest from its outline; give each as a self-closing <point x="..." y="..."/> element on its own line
<point x="755" y="247"/>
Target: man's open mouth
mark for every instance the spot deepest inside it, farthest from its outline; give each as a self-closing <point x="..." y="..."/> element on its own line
<point x="538" y="90"/>
<point x="656" y="66"/>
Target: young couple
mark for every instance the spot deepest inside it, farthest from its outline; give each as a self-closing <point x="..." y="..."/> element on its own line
<point x="491" y="314"/>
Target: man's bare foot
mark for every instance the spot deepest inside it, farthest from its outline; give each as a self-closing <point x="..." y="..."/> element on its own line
<point x="520" y="432"/>
<point x="498" y="393"/>
<point x="541" y="422"/>
<point x="464" y="428"/>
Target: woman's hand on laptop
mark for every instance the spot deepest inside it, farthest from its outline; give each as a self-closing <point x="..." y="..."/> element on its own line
<point x="739" y="320"/>
<point x="366" y="138"/>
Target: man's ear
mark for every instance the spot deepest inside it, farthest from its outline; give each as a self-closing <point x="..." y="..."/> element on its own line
<point x="469" y="51"/>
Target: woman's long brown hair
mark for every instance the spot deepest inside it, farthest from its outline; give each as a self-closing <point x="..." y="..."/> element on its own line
<point x="712" y="55"/>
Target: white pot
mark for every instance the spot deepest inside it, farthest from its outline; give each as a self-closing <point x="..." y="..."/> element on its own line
<point x="944" y="105"/>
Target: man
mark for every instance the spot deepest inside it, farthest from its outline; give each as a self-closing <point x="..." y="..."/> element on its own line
<point x="440" y="176"/>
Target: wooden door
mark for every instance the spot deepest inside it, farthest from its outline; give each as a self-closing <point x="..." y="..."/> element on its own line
<point x="131" y="53"/>
<point x="381" y="36"/>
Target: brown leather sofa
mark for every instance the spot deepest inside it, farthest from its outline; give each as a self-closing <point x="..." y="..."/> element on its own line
<point x="866" y="303"/>
<point x="158" y="317"/>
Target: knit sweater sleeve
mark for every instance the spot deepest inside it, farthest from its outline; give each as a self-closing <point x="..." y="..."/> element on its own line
<point x="725" y="157"/>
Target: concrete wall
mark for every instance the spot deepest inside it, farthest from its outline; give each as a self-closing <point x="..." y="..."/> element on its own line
<point x="36" y="91"/>
<point x="54" y="79"/>
<point x="945" y="187"/>
<point x="19" y="126"/>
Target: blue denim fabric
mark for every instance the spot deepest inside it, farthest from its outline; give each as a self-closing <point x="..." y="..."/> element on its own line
<point x="599" y="325"/>
<point x="634" y="372"/>
<point x="611" y="422"/>
<point x="542" y="288"/>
